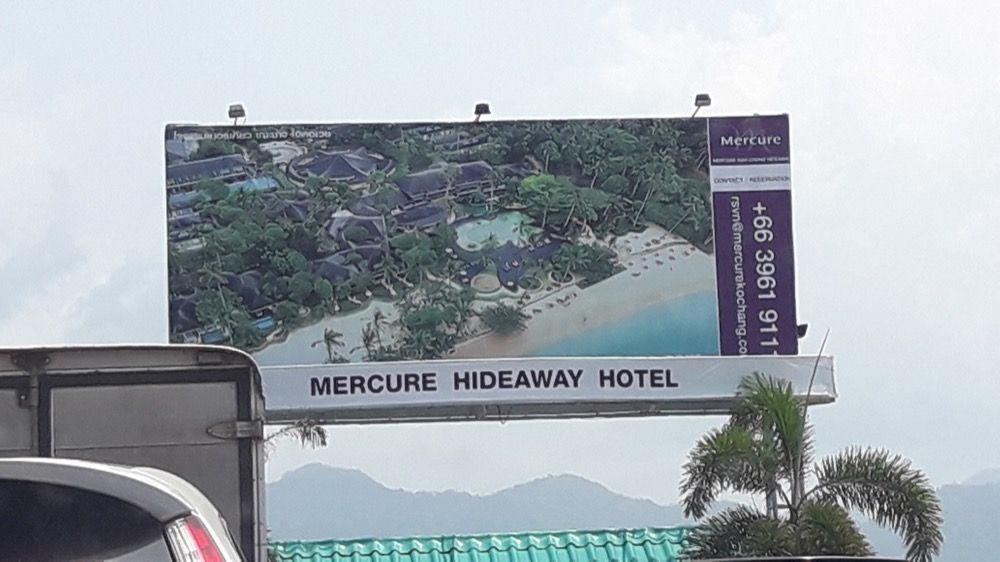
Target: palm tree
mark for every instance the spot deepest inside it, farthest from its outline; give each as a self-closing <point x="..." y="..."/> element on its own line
<point x="378" y="323"/>
<point x="331" y="339"/>
<point x="452" y="173"/>
<point x="367" y="342"/>
<point x="765" y="449"/>
<point x="214" y="276"/>
<point x="547" y="150"/>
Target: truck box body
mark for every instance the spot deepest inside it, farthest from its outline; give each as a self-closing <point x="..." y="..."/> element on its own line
<point x="193" y="410"/>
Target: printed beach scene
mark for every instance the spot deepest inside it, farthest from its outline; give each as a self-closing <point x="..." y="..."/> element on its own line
<point x="341" y="243"/>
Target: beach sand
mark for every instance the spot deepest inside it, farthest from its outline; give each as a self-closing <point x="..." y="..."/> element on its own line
<point x="681" y="270"/>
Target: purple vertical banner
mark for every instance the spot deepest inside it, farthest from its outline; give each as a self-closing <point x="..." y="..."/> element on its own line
<point x="751" y="200"/>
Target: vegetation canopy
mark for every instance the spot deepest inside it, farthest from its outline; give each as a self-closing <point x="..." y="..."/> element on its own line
<point x="766" y="449"/>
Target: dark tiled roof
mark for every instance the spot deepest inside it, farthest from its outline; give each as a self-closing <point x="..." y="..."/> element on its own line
<point x="377" y="203"/>
<point x="434" y="179"/>
<point x="184" y="221"/>
<point x="337" y="268"/>
<point x="515" y="170"/>
<point x="183" y="316"/>
<point x="332" y="268"/>
<point x="423" y="217"/>
<point x="341" y="221"/>
<point x="373" y="256"/>
<point x="353" y="165"/>
<point x="296" y="211"/>
<point x="205" y="169"/>
<point x="248" y="286"/>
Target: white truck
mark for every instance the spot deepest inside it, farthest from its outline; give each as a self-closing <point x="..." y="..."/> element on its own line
<point x="193" y="410"/>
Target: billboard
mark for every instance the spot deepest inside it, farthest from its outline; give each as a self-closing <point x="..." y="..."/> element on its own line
<point x="354" y="243"/>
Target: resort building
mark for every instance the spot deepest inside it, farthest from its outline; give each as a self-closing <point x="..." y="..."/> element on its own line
<point x="435" y="183"/>
<point x="447" y="139"/>
<point x="350" y="230"/>
<point x="381" y="203"/>
<point x="184" y="324"/>
<point x="346" y="264"/>
<point x="183" y="224"/>
<point x="348" y="166"/>
<point x="229" y="168"/>
<point x="295" y="210"/>
<point x="248" y="286"/>
<point x="423" y="218"/>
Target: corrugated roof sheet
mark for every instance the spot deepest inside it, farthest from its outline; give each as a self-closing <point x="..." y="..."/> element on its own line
<point x="616" y="545"/>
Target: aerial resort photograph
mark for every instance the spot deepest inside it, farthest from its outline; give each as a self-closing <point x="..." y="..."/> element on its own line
<point x="309" y="244"/>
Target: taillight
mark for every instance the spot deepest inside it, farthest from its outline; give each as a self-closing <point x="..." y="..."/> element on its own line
<point x="191" y="542"/>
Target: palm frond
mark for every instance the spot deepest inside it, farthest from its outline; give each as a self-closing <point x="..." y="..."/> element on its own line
<point x="725" y="458"/>
<point x="738" y="531"/>
<point x="827" y="528"/>
<point x="888" y="489"/>
<point x="768" y="405"/>
<point x="308" y="432"/>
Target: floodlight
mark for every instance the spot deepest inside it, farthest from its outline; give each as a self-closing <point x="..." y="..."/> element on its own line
<point x="801" y="330"/>
<point x="700" y="101"/>
<point x="481" y="109"/>
<point x="236" y="111"/>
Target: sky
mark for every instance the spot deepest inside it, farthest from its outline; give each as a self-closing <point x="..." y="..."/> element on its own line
<point x="895" y="135"/>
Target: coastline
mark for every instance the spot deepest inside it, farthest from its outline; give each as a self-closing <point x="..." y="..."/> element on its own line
<point x="659" y="268"/>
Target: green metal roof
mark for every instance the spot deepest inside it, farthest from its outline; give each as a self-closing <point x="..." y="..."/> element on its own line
<point x="615" y="545"/>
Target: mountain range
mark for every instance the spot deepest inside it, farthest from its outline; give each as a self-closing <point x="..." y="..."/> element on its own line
<point x="319" y="502"/>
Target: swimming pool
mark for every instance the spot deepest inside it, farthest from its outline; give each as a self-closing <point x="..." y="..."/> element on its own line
<point x="505" y="227"/>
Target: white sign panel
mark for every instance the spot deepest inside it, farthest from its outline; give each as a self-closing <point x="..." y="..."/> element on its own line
<point x="527" y="388"/>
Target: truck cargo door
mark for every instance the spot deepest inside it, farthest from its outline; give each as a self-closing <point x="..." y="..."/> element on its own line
<point x="160" y="424"/>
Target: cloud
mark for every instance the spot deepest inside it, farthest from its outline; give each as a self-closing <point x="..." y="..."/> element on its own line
<point x="63" y="237"/>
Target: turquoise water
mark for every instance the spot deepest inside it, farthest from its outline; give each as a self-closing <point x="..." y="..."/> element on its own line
<point x="684" y="326"/>
<point x="505" y="227"/>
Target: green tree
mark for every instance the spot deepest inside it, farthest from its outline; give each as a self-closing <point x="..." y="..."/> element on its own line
<point x="616" y="184"/>
<point x="546" y="194"/>
<point x="765" y="449"/>
<point x="215" y="308"/>
<point x="274" y="236"/>
<point x="214" y="190"/>
<point x="296" y="261"/>
<point x="245" y="334"/>
<point x="504" y="318"/>
<point x="210" y="148"/>
<point x="300" y="287"/>
<point x="314" y="184"/>
<point x="324" y="289"/>
<point x="285" y="311"/>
